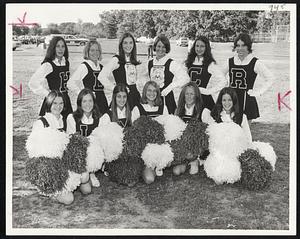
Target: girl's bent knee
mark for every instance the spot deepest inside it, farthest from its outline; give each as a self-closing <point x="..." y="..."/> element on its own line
<point x="66" y="198"/>
<point x="86" y="188"/>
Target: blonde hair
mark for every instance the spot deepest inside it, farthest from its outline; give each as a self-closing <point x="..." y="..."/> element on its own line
<point x="88" y="47"/>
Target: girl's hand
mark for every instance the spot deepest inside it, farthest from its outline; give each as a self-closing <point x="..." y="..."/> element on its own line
<point x="253" y="93"/>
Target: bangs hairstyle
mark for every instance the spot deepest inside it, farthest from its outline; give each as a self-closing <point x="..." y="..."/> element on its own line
<point x="164" y="41"/>
<point x="79" y="111"/>
<point x="180" y="111"/>
<point x="158" y="100"/>
<point x="87" y="48"/>
<point x="246" y="39"/>
<point x="120" y="88"/>
<point x="133" y="59"/>
<point x="207" y="56"/>
<point x="51" y="51"/>
<point x="216" y="111"/>
<point x="51" y="97"/>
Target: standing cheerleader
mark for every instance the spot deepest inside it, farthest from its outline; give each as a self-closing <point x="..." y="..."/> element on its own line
<point x="53" y="106"/>
<point x="227" y="109"/>
<point x="166" y="72"/>
<point x="120" y="111"/>
<point x="84" y="120"/>
<point x="86" y="75"/>
<point x="202" y="70"/>
<point x="151" y="102"/>
<point x="55" y="71"/>
<point x="190" y="106"/>
<point x="243" y="69"/>
<point x="123" y="69"/>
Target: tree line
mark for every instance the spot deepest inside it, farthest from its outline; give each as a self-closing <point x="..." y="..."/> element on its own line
<point x="216" y="24"/>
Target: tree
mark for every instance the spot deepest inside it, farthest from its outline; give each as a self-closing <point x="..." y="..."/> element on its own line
<point x="35" y="30"/>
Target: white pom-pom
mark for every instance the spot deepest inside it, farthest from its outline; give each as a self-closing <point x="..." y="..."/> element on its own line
<point x="157" y="156"/>
<point x="46" y="142"/>
<point x="95" y="155"/>
<point x="267" y="151"/>
<point x="110" y="137"/>
<point x="73" y="181"/>
<point x="222" y="169"/>
<point x="227" y="138"/>
<point x="173" y="126"/>
<point x="226" y="142"/>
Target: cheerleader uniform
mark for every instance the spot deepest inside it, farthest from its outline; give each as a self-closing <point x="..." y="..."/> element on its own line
<point x="148" y="110"/>
<point x="204" y="76"/>
<point x="242" y="77"/>
<point x="50" y="120"/>
<point x="168" y="75"/>
<point x="57" y="76"/>
<point x="85" y="126"/>
<point x="122" y="120"/>
<point x="189" y="114"/>
<point x="86" y="76"/>
<point x="123" y="73"/>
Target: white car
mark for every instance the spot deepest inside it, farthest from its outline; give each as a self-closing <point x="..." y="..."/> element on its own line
<point x="141" y="39"/>
<point x="16" y="44"/>
<point x="70" y="39"/>
<point x="182" y="41"/>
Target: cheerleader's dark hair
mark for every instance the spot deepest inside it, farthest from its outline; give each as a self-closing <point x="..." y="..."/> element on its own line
<point x="50" y="99"/>
<point x="180" y="111"/>
<point x="207" y="56"/>
<point x="120" y="88"/>
<point x="79" y="111"/>
<point x="164" y="41"/>
<point x="244" y="37"/>
<point x="216" y="111"/>
<point x="51" y="51"/>
<point x="133" y="53"/>
<point x="158" y="100"/>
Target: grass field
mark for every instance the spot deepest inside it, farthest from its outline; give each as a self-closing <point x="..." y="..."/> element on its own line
<point x="170" y="202"/>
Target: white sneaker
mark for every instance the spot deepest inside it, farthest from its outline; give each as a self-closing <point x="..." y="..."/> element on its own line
<point x="158" y="172"/>
<point x="94" y="180"/>
<point x="194" y="167"/>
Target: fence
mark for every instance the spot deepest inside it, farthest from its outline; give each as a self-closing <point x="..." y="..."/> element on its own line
<point x="281" y="33"/>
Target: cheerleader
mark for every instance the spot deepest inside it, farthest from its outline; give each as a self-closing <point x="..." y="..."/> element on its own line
<point x="243" y="69"/>
<point x="120" y="111"/>
<point x="86" y="75"/>
<point x="151" y="102"/>
<point x="53" y="106"/>
<point x="122" y="69"/>
<point x="84" y="120"/>
<point x="227" y="109"/>
<point x="152" y="106"/>
<point x="190" y="106"/>
<point x="55" y="71"/>
<point x="166" y="72"/>
<point x="202" y="69"/>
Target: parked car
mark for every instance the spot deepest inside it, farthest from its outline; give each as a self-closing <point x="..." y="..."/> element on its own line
<point x="16" y="44"/>
<point x="141" y="39"/>
<point x="182" y="41"/>
<point x="70" y="39"/>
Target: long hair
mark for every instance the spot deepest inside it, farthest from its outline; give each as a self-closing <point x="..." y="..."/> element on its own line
<point x="246" y="39"/>
<point x="207" y="56"/>
<point x="51" y="51"/>
<point x="133" y="53"/>
<point x="79" y="111"/>
<point x="157" y="100"/>
<point x="216" y="111"/>
<point x="164" y="41"/>
<point x="87" y="48"/>
<point x="180" y="111"/>
<point x="120" y="88"/>
<point x="51" y="97"/>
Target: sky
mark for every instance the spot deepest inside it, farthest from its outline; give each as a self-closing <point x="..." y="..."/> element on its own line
<point x="67" y="12"/>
